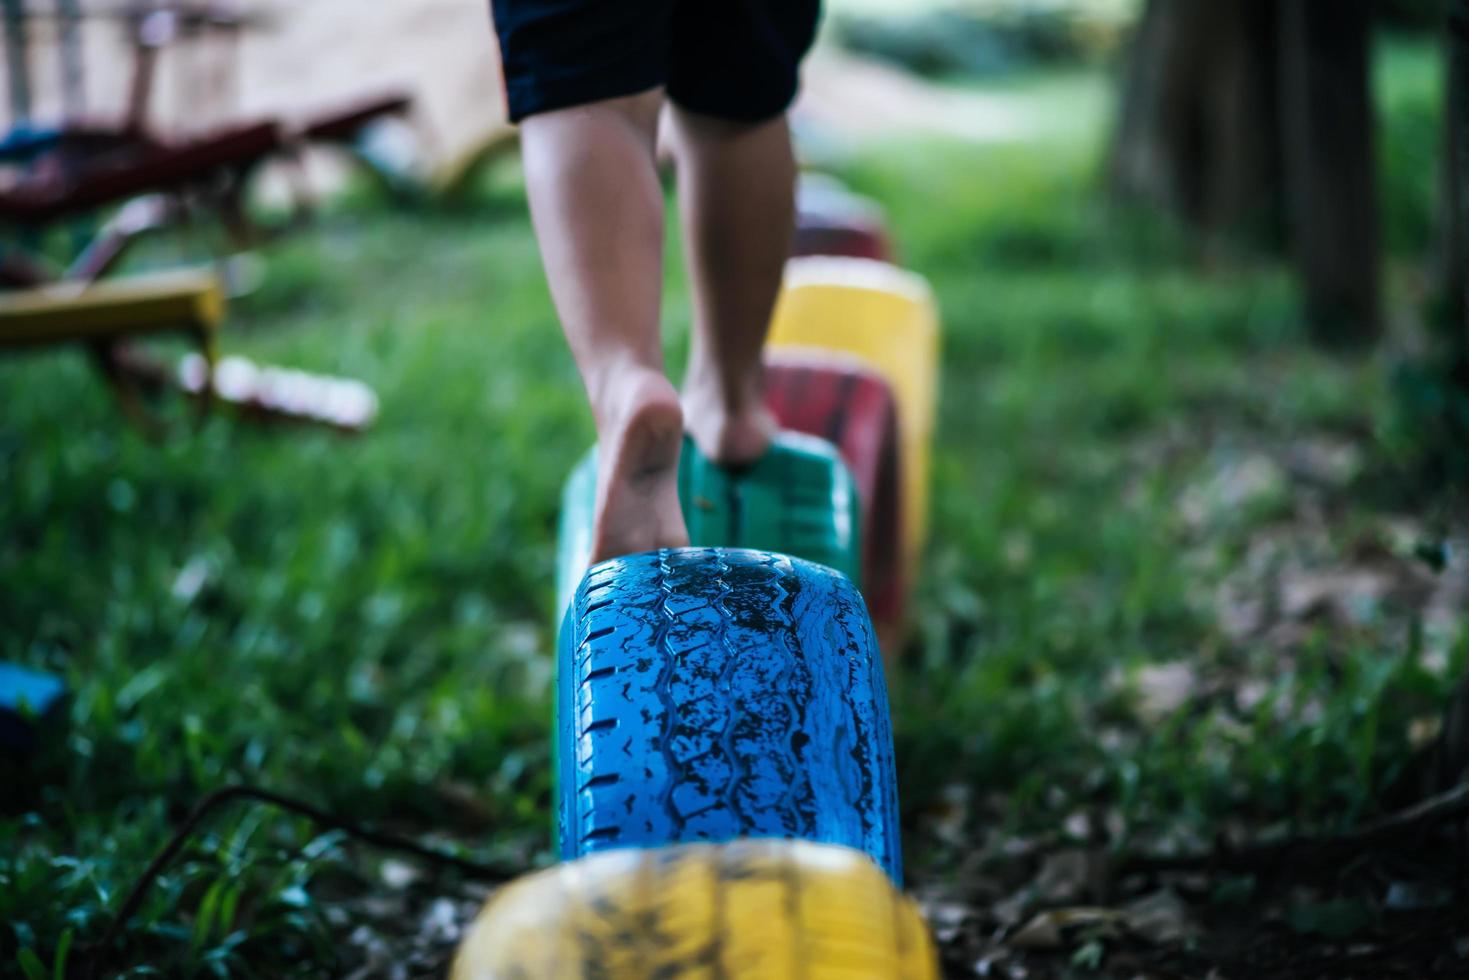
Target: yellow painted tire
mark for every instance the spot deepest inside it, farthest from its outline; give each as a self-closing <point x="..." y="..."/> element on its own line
<point x="887" y="317"/>
<point x="757" y="909"/>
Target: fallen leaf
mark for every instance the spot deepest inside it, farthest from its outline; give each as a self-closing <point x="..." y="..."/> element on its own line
<point x="398" y="874"/>
<point x="1335" y="919"/>
<point x="1239" y="609"/>
<point x="1330" y="462"/>
<point x="985" y="965"/>
<point x="1164" y="688"/>
<point x="1422" y="731"/>
<point x="1090" y="955"/>
<point x="948" y="818"/>
<point x="1248" y="485"/>
<point x="1078" y="826"/>
<point x="945" y="919"/>
<point x="191" y="579"/>
<point x="1411" y="895"/>
<point x="441" y="922"/>
<point x="1160" y="917"/>
<point x="1047" y="930"/>
<point x="1063" y="876"/>
<point x="1351" y="595"/>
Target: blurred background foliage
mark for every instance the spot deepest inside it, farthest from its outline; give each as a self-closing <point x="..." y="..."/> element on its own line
<point x="988" y="38"/>
<point x="977" y="39"/>
<point x="1192" y="575"/>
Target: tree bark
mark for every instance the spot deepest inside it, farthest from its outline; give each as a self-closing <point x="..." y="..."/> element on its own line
<point x="1331" y="169"/>
<point x="1256" y="117"/>
<point x="1456" y="116"/>
<point x="1198" y="135"/>
<point x="1453" y="761"/>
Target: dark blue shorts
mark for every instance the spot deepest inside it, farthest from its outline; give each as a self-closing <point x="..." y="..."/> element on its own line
<point x="733" y="59"/>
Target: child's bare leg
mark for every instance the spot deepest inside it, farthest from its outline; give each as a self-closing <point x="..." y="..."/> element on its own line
<point x="736" y="186"/>
<point x="598" y="212"/>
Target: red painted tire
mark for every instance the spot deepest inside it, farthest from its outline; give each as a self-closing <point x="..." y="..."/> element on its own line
<point x="831" y="220"/>
<point x="843" y="402"/>
<point x="817" y="236"/>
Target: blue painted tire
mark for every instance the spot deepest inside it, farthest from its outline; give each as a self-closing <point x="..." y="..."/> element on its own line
<point x="706" y="694"/>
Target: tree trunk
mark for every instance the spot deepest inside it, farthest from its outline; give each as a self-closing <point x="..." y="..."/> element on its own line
<point x="1331" y="185"/>
<point x="1448" y="762"/>
<point x="1239" y="114"/>
<point x="1198" y="134"/>
<point x="1456" y="121"/>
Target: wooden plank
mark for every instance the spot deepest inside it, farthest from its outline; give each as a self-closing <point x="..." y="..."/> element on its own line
<point x="181" y="300"/>
<point x="161" y="168"/>
<point x="343" y="123"/>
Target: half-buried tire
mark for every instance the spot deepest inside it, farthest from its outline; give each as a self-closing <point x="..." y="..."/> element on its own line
<point x="706" y="694"/>
<point x="745" y="910"/>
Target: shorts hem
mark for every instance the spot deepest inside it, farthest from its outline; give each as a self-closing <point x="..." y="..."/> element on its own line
<point x="745" y="113"/>
<point x="532" y="97"/>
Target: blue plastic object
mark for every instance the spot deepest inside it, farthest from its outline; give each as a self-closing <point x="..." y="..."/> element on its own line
<point x="28" y="700"/>
<point x="706" y="694"/>
<point x="22" y="143"/>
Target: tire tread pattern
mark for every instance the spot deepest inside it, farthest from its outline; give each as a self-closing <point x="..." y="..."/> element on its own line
<point x="714" y="693"/>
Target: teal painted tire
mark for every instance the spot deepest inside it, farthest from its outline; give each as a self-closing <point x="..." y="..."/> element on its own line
<point x="799" y="499"/>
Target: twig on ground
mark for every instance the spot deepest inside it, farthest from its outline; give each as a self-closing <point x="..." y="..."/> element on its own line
<point x="217" y="798"/>
<point x="1452" y="804"/>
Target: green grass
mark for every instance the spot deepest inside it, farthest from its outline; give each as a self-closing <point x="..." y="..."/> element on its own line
<point x="366" y="621"/>
<point x="358" y="620"/>
<point x="1087" y="389"/>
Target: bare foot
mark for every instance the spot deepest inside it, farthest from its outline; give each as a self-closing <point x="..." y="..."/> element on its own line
<point x="731" y="431"/>
<point x="637" y="470"/>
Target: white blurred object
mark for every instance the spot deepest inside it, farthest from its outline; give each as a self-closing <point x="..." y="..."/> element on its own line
<point x="824" y="199"/>
<point x="243" y="273"/>
<point x="392" y="147"/>
<point x="343" y="403"/>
